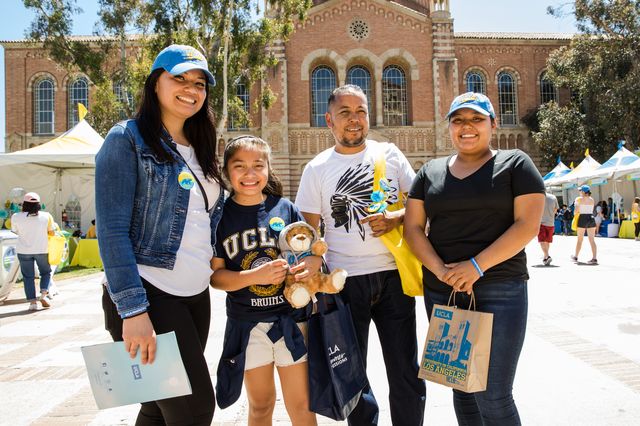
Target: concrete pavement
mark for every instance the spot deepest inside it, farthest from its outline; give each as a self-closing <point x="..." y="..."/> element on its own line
<point x="580" y="364"/>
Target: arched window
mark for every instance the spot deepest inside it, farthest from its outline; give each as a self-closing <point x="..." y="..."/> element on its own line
<point x="43" y="107"/>
<point x="323" y="81"/>
<point x="361" y="77"/>
<point x="475" y="83"/>
<point x="78" y="92"/>
<point x="124" y="98"/>
<point x="508" y="99"/>
<point x="548" y="91"/>
<point x="237" y="121"/>
<point x="394" y="97"/>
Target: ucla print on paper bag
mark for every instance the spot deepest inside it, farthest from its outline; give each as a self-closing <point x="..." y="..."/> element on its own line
<point x="456" y="352"/>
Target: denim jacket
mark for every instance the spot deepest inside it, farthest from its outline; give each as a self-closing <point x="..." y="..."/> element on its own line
<point x="140" y="213"/>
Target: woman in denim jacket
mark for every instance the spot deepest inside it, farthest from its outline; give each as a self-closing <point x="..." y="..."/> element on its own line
<point x="158" y="202"/>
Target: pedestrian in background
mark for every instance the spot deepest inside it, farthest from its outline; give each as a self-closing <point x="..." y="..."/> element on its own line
<point x="33" y="227"/>
<point x="585" y="208"/>
<point x="158" y="202"/>
<point x="483" y="207"/>
<point x="547" y="226"/>
<point x="635" y="216"/>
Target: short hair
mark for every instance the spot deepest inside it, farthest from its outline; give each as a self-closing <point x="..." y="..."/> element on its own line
<point x="350" y="89"/>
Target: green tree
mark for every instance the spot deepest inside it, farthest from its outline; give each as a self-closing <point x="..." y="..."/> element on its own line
<point x="601" y="69"/>
<point x="234" y="35"/>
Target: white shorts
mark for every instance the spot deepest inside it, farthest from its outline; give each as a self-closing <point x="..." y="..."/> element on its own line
<point x="262" y="351"/>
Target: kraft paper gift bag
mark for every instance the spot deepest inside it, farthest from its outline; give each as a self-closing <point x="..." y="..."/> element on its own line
<point x="456" y="352"/>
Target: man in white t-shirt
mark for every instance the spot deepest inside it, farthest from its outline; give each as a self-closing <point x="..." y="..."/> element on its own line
<point x="336" y="187"/>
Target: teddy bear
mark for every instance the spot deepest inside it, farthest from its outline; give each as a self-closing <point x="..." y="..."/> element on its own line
<point x="296" y="241"/>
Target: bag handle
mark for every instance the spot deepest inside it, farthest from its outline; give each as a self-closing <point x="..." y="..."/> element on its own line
<point x="472" y="300"/>
<point x="321" y="306"/>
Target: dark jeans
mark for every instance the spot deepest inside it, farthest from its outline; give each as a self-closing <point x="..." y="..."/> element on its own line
<point x="507" y="300"/>
<point x="566" y="227"/>
<point x="189" y="317"/>
<point x="29" y="273"/>
<point x="637" y="229"/>
<point x="379" y="297"/>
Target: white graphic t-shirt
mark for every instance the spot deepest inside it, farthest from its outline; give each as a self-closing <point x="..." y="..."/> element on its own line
<point x="338" y="187"/>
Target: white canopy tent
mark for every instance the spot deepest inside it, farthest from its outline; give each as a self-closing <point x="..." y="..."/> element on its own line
<point x="560" y="169"/>
<point x="60" y="170"/>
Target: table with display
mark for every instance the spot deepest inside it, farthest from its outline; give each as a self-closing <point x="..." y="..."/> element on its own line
<point x="627" y="229"/>
<point x="87" y="254"/>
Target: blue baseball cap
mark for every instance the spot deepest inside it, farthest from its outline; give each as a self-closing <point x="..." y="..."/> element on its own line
<point x="475" y="101"/>
<point x="586" y="189"/>
<point x="178" y="58"/>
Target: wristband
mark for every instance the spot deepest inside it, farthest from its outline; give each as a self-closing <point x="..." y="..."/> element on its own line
<point x="475" y="265"/>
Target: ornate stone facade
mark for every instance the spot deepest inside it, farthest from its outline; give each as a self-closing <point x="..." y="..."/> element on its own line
<point x="415" y="37"/>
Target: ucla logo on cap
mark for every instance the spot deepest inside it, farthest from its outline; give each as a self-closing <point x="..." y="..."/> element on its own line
<point x="469" y="98"/>
<point x="194" y="55"/>
<point x="186" y="180"/>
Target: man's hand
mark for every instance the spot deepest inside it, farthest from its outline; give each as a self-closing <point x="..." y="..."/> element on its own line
<point x="381" y="223"/>
<point x="138" y="332"/>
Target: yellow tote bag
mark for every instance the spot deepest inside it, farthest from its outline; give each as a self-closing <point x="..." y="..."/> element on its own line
<point x="409" y="267"/>
<point x="56" y="245"/>
<point x="574" y="222"/>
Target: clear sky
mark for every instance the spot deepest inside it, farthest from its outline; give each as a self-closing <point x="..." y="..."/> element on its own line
<point x="469" y="15"/>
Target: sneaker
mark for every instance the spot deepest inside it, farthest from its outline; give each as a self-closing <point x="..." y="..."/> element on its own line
<point x="547" y="261"/>
<point x="574" y="258"/>
<point x="45" y="300"/>
<point x="33" y="306"/>
<point x="593" y="262"/>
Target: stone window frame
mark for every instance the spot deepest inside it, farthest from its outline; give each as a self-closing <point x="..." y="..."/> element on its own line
<point x="477" y="70"/>
<point x="544" y="91"/>
<point x="403" y="101"/>
<point x="32" y="87"/>
<point x="369" y="91"/>
<point x="242" y="92"/>
<point x="73" y="97"/>
<point x="508" y="119"/>
<point x="319" y="97"/>
<point x="340" y="64"/>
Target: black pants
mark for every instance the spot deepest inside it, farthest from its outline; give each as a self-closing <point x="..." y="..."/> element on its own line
<point x="189" y="318"/>
<point x="379" y="297"/>
<point x="637" y="226"/>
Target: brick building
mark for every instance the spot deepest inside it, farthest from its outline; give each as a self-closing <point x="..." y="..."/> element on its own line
<point x="404" y="53"/>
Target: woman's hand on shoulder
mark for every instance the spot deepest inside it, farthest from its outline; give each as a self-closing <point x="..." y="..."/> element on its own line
<point x="138" y="333"/>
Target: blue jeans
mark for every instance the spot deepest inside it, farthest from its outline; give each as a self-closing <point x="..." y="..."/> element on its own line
<point x="29" y="273"/>
<point x="379" y="297"/>
<point x="507" y="300"/>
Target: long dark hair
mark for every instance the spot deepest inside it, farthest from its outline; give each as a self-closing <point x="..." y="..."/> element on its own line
<point x="274" y="186"/>
<point x="199" y="129"/>
<point x="31" y="208"/>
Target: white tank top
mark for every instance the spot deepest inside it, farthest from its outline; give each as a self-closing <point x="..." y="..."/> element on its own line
<point x="585" y="208"/>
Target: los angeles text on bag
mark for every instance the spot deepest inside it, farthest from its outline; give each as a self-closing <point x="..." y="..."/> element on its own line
<point x="456" y="352"/>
